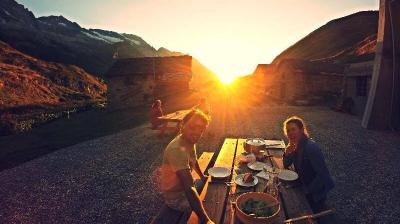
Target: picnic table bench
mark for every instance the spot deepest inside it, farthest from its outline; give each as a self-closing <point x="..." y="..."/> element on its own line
<point x="175" y="118"/>
<point x="217" y="197"/>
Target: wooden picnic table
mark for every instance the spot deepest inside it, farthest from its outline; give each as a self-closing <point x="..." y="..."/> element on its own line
<point x="175" y="117"/>
<point x="217" y="197"/>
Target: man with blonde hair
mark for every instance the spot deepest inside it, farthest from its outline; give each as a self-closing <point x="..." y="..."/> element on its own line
<point x="177" y="184"/>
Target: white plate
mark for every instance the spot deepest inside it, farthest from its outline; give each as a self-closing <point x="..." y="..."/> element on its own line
<point x="255" y="141"/>
<point x="258" y="166"/>
<point x="219" y="172"/>
<point x="239" y="181"/>
<point x="288" y="175"/>
<point x="263" y="175"/>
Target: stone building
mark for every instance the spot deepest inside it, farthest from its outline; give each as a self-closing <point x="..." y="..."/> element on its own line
<point x="292" y="80"/>
<point x="137" y="81"/>
<point x="262" y="75"/>
<point x="357" y="83"/>
<point x="261" y="71"/>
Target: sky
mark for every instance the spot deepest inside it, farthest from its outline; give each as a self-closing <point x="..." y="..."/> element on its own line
<point x="229" y="37"/>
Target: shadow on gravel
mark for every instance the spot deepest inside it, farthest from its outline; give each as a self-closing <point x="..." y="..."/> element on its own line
<point x="23" y="147"/>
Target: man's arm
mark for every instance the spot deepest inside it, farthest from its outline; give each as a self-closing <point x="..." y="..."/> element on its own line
<point x="195" y="165"/>
<point x="191" y="194"/>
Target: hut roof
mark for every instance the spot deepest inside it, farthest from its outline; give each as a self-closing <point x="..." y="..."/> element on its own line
<point x="312" y="67"/>
<point x="148" y="65"/>
<point x="261" y="69"/>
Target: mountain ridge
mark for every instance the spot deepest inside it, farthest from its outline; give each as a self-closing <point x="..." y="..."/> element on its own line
<point x="57" y="39"/>
<point x="345" y="35"/>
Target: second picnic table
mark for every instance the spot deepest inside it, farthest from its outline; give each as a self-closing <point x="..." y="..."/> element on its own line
<point x="175" y="118"/>
<point x="216" y="197"/>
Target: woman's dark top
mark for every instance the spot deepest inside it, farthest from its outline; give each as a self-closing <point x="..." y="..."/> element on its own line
<point x="311" y="167"/>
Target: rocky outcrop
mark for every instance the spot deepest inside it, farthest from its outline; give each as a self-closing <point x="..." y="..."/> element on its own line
<point x="32" y="86"/>
<point x="27" y="80"/>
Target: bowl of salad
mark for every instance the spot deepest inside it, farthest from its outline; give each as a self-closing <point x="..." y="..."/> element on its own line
<point x="257" y="208"/>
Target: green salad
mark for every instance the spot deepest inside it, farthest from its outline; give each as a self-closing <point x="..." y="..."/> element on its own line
<point x="258" y="208"/>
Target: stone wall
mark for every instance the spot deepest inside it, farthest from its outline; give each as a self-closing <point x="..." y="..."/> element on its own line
<point x="137" y="81"/>
<point x="299" y="85"/>
<point x="352" y="73"/>
<point x="295" y="79"/>
<point x="129" y="91"/>
<point x="359" y="101"/>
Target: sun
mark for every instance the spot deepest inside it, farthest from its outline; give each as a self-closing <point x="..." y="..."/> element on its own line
<point x="226" y="79"/>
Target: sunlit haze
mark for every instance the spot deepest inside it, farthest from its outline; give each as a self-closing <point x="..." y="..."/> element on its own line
<point x="229" y="37"/>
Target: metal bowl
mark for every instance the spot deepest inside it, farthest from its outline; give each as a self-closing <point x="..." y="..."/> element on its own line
<point x="254" y="145"/>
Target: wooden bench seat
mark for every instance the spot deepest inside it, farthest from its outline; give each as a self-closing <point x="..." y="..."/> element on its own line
<point x="168" y="215"/>
<point x="217" y="193"/>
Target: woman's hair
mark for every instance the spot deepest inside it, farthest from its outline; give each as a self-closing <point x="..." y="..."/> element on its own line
<point x="298" y="122"/>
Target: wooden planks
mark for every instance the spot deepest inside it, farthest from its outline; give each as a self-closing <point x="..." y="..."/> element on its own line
<point x="175" y="116"/>
<point x="242" y="168"/>
<point x="227" y="153"/>
<point x="229" y="211"/>
<point x="214" y="195"/>
<point x="204" y="160"/>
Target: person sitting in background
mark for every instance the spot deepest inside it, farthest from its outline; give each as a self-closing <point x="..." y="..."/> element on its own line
<point x="204" y="106"/>
<point x="156" y="112"/>
<point x="179" y="190"/>
<point x="309" y="163"/>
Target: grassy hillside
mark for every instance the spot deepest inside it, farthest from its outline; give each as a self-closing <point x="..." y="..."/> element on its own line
<point x="29" y="85"/>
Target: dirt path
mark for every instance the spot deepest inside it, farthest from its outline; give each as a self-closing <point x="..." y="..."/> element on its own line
<point x="108" y="180"/>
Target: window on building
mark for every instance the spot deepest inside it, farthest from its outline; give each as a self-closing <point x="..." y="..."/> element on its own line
<point x="361" y="84"/>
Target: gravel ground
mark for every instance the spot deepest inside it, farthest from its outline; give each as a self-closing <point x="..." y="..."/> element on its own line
<point x="109" y="179"/>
